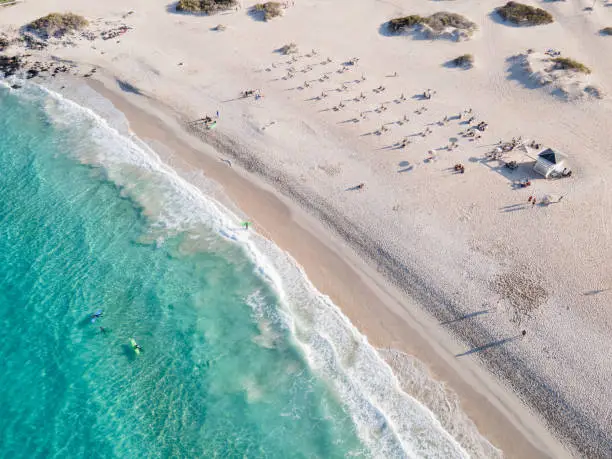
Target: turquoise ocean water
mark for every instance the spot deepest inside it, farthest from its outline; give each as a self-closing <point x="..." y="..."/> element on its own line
<point x="238" y="360"/>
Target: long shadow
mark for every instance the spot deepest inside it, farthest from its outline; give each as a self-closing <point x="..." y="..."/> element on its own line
<point x="452" y="64"/>
<point x="128" y="352"/>
<point x="385" y="31"/>
<point x="467" y="316"/>
<point x="127" y="87"/>
<point x="85" y="322"/>
<point x="595" y="292"/>
<point x="524" y="171"/>
<point x="490" y="345"/>
<point x="515" y="207"/>
<point x="234" y="100"/>
<point x="259" y="16"/>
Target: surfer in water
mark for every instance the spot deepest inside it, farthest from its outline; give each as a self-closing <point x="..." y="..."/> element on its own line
<point x="138" y="347"/>
<point x="96" y="315"/>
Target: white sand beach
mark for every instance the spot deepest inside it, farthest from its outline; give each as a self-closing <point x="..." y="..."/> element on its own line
<point x="344" y="163"/>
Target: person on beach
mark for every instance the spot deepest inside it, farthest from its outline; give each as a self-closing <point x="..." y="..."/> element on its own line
<point x="246" y="225"/>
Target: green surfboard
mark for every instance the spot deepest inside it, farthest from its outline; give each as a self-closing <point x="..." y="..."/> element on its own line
<point x="133" y="343"/>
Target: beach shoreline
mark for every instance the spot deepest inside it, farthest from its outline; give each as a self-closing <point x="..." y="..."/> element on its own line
<point x="429" y="245"/>
<point x="376" y="308"/>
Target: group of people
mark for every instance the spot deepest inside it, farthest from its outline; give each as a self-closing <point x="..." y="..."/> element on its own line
<point x="251" y="93"/>
<point x="97" y="315"/>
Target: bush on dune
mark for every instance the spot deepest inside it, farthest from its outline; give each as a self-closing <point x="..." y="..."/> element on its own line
<point x="521" y="14"/>
<point x="398" y="25"/>
<point x="269" y="9"/>
<point x="437" y="22"/>
<point x="57" y="24"/>
<point x="204" y="6"/>
<point x="565" y="63"/>
<point x="465" y="61"/>
<point x="290" y="48"/>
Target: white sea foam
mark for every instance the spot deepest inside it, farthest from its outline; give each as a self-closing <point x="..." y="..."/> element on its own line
<point x="390" y="422"/>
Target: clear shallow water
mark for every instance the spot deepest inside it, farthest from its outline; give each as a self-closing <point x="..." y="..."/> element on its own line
<point x="238" y="361"/>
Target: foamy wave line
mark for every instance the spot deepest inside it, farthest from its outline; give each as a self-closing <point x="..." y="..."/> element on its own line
<point x="389" y="422"/>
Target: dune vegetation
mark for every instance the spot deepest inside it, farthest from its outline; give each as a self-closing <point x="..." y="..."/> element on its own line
<point x="57" y="24"/>
<point x="437" y="22"/>
<point x="521" y="14"/>
<point x="204" y="6"/>
<point x="269" y="10"/>
<point x="564" y="63"/>
<point x="465" y="61"/>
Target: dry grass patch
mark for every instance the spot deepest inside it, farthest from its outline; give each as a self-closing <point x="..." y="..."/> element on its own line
<point x="269" y="10"/>
<point x="57" y="24"/>
<point x="204" y="6"/>
<point x="565" y="63"/>
<point x="521" y="14"/>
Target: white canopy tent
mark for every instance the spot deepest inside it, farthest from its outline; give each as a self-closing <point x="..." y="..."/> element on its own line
<point x="551" y="163"/>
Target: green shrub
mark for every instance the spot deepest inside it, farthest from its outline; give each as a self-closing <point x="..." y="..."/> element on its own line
<point x="442" y="20"/>
<point x="57" y="24"/>
<point x="204" y="6"/>
<point x="437" y="21"/>
<point x="521" y="14"/>
<point x="565" y="63"/>
<point x="465" y="61"/>
<point x="398" y="25"/>
<point x="192" y="6"/>
<point x="291" y="48"/>
<point x="269" y="9"/>
<point x="606" y="31"/>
